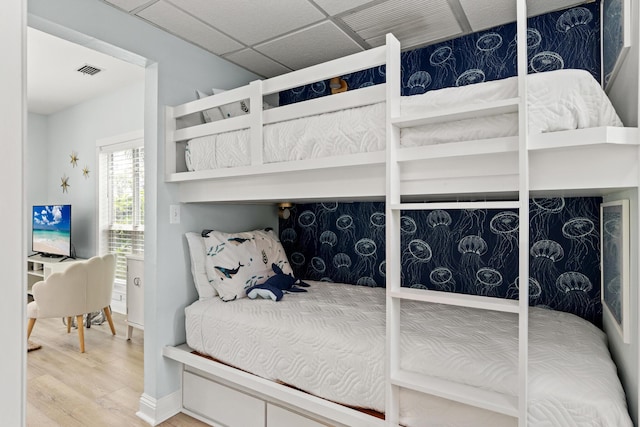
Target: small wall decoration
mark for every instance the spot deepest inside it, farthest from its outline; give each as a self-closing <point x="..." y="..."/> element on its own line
<point x="85" y="172"/>
<point x="74" y="158"/>
<point x="615" y="264"/>
<point x="65" y="183"/>
<point x="616" y="37"/>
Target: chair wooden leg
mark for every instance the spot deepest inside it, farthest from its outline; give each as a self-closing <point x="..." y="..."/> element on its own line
<point x="107" y="314"/>
<point x="80" y="332"/>
<point x="32" y="323"/>
<point x="69" y="324"/>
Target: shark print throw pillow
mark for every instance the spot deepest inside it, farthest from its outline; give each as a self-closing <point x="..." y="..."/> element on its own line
<point x="237" y="261"/>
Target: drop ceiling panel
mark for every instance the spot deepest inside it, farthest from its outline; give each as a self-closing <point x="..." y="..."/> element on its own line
<point x="251" y="21"/>
<point x="490" y="13"/>
<point x="335" y="7"/>
<point x="543" y="6"/>
<point x="256" y="62"/>
<point x="313" y="45"/>
<point x="413" y="22"/>
<point x="176" y="21"/>
<point x="127" y="5"/>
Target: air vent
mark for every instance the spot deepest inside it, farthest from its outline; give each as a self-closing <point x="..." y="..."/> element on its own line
<point x="89" y="70"/>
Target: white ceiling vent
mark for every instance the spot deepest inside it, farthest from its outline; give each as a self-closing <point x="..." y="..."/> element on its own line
<point x="89" y="70"/>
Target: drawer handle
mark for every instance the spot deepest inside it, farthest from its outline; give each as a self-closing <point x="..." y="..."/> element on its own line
<point x="136" y="281"/>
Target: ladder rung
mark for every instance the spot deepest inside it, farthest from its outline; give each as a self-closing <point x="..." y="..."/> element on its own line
<point x="508" y="144"/>
<point x="469" y="395"/>
<point x="459" y="113"/>
<point x="461" y="300"/>
<point x="456" y="205"/>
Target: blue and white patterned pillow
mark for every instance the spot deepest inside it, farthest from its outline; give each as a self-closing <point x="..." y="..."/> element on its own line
<point x="238" y="108"/>
<point x="212" y="114"/>
<point x="237" y="261"/>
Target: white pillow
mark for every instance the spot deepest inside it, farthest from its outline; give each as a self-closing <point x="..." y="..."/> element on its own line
<point x="237" y="261"/>
<point x="212" y="114"/>
<point x="198" y="268"/>
<point x="235" y="109"/>
<point x="193" y="119"/>
<point x="238" y="108"/>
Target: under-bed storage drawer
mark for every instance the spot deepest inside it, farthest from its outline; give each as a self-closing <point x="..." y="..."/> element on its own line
<point x="225" y="405"/>
<point x="280" y="417"/>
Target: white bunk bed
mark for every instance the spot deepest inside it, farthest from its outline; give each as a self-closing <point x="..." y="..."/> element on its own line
<point x="594" y="160"/>
<point x="595" y="156"/>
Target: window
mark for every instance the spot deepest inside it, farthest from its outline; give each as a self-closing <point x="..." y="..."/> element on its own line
<point x="121" y="200"/>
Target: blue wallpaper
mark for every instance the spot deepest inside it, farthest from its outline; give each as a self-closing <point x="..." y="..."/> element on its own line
<point x="472" y="252"/>
<point x="563" y="39"/>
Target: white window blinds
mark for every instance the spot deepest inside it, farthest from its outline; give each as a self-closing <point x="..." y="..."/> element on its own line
<point x="122" y="202"/>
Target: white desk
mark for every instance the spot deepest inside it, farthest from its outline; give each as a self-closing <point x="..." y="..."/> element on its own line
<point x="39" y="268"/>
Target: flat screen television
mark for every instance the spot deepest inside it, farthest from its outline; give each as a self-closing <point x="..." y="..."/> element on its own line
<point x="51" y="230"/>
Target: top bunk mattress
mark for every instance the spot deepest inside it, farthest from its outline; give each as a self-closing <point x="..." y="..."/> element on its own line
<point x="330" y="342"/>
<point x="558" y="100"/>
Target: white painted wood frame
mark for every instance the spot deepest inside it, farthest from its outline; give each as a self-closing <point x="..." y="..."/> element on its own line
<point x="593" y="161"/>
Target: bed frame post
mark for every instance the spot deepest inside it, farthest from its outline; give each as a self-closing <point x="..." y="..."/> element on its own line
<point x="393" y="260"/>
<point x="170" y="166"/>
<point x="523" y="185"/>
<point x="256" y="115"/>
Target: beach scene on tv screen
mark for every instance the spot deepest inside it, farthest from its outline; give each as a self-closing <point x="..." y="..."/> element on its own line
<point x="52" y="229"/>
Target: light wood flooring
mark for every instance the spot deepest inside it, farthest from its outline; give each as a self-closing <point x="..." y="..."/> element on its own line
<point x="101" y="387"/>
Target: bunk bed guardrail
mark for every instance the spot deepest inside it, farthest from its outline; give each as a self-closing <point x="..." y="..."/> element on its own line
<point x="257" y="117"/>
<point x="440" y="168"/>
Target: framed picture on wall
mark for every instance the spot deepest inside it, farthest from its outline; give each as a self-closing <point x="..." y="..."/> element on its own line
<point x="616" y="37"/>
<point x="614" y="259"/>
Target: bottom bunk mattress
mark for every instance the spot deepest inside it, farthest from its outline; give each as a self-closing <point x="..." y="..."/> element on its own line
<point x="330" y="342"/>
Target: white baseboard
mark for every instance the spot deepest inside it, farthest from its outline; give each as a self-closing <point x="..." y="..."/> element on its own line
<point x="154" y="411"/>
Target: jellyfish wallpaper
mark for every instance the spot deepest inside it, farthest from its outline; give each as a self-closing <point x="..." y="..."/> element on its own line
<point x="472" y="252"/>
<point x="567" y="38"/>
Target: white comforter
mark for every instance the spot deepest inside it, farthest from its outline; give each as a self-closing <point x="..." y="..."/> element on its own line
<point x="331" y="342"/>
<point x="558" y="100"/>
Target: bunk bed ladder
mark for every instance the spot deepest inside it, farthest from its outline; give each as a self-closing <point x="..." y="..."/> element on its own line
<point x="397" y="378"/>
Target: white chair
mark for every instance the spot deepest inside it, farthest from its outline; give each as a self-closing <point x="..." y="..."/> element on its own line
<point x="84" y="287"/>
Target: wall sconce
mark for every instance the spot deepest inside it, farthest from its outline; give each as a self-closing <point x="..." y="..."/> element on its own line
<point x="283" y="210"/>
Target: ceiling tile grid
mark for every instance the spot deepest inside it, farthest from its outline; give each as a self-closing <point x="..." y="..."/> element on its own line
<point x="417" y="20"/>
<point x="336" y="7"/>
<point x="176" y="21"/>
<point x="127" y="5"/>
<point x="313" y="45"/>
<point x="250" y="21"/>
<point x="257" y="62"/>
<point x="271" y="37"/>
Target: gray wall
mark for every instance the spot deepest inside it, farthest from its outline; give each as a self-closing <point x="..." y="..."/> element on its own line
<point x="77" y="129"/>
<point x="36" y="167"/>
<point x="174" y="70"/>
<point x="52" y="139"/>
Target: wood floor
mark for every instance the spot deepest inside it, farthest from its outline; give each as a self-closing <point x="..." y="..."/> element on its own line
<point x="101" y="387"/>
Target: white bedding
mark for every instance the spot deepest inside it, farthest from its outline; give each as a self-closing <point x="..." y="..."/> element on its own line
<point x="331" y="342"/>
<point x="558" y="100"/>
